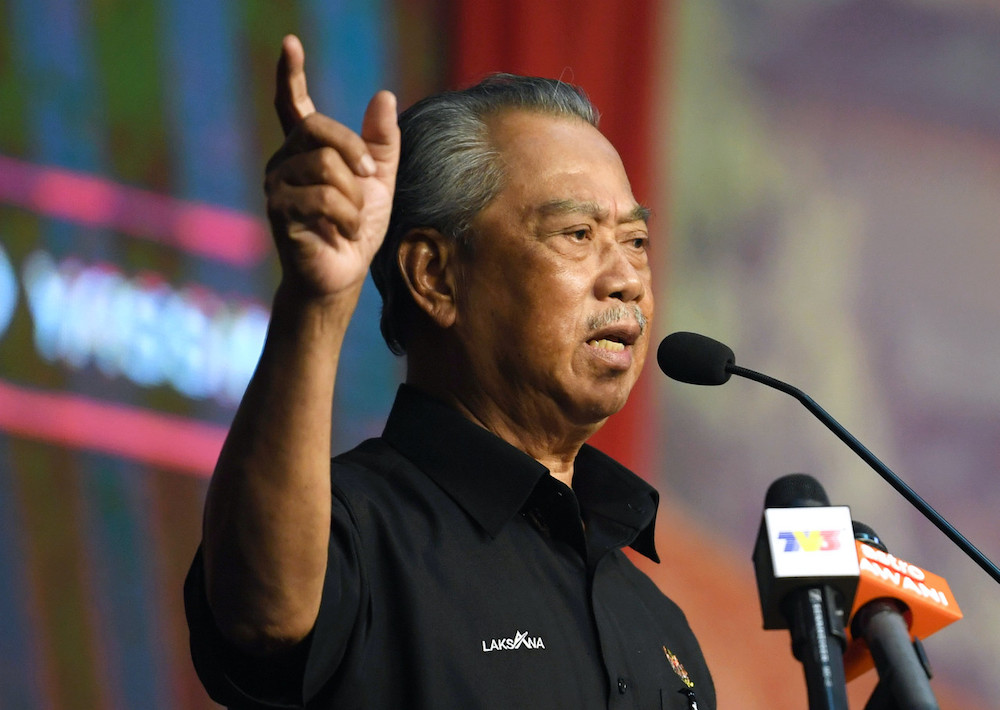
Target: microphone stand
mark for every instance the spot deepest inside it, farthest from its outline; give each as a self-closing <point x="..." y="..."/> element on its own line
<point x="818" y="640"/>
<point x="880" y="468"/>
<point x="884" y="698"/>
<point x="902" y="682"/>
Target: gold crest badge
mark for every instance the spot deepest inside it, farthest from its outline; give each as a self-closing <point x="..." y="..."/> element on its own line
<point x="678" y="667"/>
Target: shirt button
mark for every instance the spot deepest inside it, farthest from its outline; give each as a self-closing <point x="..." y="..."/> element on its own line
<point x="622" y="686"/>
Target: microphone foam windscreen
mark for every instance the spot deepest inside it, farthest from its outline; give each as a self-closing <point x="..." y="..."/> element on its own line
<point x="866" y="534"/>
<point x="796" y="490"/>
<point x="695" y="359"/>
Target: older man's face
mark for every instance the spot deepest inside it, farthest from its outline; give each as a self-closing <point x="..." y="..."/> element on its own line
<point x="555" y="292"/>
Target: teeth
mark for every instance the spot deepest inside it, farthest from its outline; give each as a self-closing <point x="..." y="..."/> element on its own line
<point x="611" y="345"/>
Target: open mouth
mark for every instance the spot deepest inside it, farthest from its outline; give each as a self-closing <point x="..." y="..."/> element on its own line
<point x="615" y="338"/>
<point x="614" y="346"/>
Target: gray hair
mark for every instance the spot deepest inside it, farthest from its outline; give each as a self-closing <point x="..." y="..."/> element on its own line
<point x="449" y="171"/>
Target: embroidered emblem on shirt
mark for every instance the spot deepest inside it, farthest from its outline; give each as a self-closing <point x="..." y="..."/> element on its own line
<point x="520" y="640"/>
<point x="678" y="668"/>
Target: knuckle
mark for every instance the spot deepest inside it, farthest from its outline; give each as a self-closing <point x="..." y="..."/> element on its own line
<point x="330" y="202"/>
<point x="310" y="123"/>
<point x="353" y="222"/>
<point x="329" y="165"/>
<point x="339" y="210"/>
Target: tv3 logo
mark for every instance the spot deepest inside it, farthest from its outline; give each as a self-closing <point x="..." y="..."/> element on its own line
<point x="811" y="540"/>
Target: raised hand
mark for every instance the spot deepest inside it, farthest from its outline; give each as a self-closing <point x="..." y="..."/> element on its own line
<point x="329" y="190"/>
<point x="267" y="514"/>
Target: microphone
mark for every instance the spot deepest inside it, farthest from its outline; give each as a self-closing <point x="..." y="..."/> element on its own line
<point x="697" y="359"/>
<point x="897" y="604"/>
<point x="807" y="575"/>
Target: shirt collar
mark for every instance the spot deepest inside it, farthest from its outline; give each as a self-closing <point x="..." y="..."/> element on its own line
<point x="491" y="480"/>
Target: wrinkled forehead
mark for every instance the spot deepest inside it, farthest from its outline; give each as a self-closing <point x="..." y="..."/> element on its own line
<point x="561" y="163"/>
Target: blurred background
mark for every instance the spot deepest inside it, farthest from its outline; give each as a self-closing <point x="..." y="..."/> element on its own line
<point x="824" y="179"/>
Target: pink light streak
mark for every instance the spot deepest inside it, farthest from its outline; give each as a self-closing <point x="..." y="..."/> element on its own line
<point x="201" y="229"/>
<point x="172" y="442"/>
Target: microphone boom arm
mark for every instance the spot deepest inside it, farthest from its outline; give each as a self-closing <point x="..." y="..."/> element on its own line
<point x="880" y="468"/>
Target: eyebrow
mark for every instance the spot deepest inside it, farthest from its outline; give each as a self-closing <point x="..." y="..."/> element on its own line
<point x="555" y="208"/>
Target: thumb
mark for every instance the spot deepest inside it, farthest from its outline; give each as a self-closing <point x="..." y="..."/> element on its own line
<point x="380" y="129"/>
<point x="291" y="94"/>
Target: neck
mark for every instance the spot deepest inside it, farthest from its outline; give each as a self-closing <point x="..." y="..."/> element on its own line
<point x="537" y="428"/>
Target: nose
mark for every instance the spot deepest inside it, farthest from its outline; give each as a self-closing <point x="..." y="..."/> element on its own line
<point x="623" y="276"/>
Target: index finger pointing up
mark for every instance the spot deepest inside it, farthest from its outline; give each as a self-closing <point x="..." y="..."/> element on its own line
<point x="291" y="95"/>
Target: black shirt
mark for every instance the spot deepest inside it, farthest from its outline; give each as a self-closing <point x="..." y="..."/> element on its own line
<point x="462" y="575"/>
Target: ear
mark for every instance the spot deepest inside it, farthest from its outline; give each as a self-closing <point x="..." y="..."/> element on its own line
<point x="428" y="263"/>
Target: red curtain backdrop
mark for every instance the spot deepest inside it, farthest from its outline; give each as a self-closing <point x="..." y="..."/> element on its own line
<point x="606" y="48"/>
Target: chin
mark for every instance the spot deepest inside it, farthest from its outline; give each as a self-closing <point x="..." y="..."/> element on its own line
<point x="596" y="410"/>
<point x="590" y="400"/>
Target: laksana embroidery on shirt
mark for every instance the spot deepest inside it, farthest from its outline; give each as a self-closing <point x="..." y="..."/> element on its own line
<point x="520" y="640"/>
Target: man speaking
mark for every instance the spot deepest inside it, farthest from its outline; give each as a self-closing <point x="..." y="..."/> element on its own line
<point x="470" y="557"/>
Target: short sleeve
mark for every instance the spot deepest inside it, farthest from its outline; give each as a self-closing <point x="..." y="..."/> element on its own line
<point x="241" y="681"/>
<point x="233" y="678"/>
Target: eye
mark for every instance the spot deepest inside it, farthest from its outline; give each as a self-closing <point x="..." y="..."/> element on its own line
<point x="639" y="242"/>
<point x="579" y="234"/>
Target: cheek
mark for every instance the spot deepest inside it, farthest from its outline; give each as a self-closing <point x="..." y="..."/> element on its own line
<point x="537" y="300"/>
<point x="546" y="285"/>
<point x="544" y="334"/>
<point x="558" y="314"/>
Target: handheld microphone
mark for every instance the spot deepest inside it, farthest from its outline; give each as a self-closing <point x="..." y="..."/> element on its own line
<point x="697" y="359"/>
<point x="807" y="574"/>
<point x="897" y="604"/>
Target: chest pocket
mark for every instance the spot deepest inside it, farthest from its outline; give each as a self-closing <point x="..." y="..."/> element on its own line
<point x="683" y="699"/>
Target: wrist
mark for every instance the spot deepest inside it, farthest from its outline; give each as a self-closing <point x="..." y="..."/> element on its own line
<point x="297" y="308"/>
